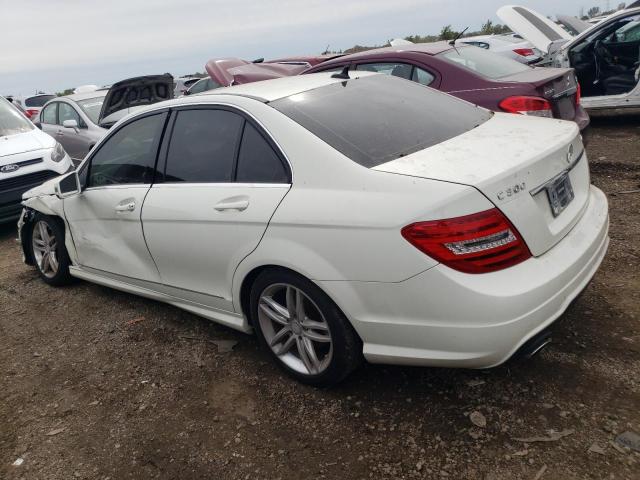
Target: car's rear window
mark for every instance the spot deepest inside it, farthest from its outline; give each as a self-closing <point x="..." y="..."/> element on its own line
<point x="379" y="118"/>
<point x="38" y="101"/>
<point x="483" y="62"/>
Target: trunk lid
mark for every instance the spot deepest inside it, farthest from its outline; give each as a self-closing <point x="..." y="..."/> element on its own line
<point x="510" y="159"/>
<point x="136" y="92"/>
<point x="573" y="24"/>
<point x="558" y="85"/>
<point x="532" y="26"/>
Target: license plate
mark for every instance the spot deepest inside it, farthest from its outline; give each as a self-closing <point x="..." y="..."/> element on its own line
<point x="560" y="193"/>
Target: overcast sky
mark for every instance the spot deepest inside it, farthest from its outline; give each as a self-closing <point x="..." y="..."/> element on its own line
<point x="52" y="45"/>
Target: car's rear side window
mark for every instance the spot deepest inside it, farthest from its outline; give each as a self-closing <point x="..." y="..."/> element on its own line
<point x="203" y="146"/>
<point x="483" y="62"/>
<point x="378" y="118"/>
<point x="257" y="161"/>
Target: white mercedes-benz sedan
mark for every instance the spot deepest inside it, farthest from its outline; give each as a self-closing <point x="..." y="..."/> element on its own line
<point x="338" y="216"/>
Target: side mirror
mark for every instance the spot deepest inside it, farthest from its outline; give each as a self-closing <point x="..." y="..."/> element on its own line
<point x="68" y="185"/>
<point x="70" y="124"/>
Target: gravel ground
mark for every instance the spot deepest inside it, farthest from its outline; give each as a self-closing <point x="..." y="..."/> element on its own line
<point x="101" y="384"/>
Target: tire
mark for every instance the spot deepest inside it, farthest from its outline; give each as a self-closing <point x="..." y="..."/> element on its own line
<point x="330" y="347"/>
<point x="46" y="240"/>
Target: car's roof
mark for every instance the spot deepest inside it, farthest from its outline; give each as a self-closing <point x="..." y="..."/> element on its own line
<point x="271" y="90"/>
<point x="432" y="48"/>
<point x="78" y="97"/>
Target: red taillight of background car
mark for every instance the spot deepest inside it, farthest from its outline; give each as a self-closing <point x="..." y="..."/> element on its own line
<point x="525" y="52"/>
<point x="578" y="94"/>
<point x="537" y="106"/>
<point x="30" y="113"/>
<point x="477" y="243"/>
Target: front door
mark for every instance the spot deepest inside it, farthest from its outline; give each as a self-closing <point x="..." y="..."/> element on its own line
<point x="104" y="219"/>
<point x="74" y="140"/>
<point x="223" y="180"/>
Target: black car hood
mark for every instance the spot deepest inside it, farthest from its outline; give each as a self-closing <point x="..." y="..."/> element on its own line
<point x="136" y="92"/>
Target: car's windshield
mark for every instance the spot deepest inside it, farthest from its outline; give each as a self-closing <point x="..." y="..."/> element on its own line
<point x="379" y="118"/>
<point x="92" y="107"/>
<point x="38" y="100"/>
<point x="487" y="64"/>
<point x="11" y="120"/>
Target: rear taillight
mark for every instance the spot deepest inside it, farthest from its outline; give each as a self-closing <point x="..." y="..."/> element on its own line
<point x="525" y="52"/>
<point x="537" y="106"/>
<point x="477" y="243"/>
<point x="30" y="113"/>
<point x="578" y="94"/>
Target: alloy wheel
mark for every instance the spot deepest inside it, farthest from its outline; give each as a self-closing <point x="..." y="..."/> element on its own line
<point x="44" y="244"/>
<point x="295" y="329"/>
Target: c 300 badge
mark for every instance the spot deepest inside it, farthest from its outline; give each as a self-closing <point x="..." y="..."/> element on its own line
<point x="512" y="191"/>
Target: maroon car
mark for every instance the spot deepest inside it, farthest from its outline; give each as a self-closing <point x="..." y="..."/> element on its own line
<point x="476" y="75"/>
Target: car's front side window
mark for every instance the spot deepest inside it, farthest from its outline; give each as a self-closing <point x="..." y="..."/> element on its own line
<point x="128" y="156"/>
<point x="67" y="112"/>
<point x="50" y="114"/>
<point x="203" y="146"/>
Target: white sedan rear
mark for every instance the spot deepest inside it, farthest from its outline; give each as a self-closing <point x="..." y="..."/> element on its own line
<point x="338" y="218"/>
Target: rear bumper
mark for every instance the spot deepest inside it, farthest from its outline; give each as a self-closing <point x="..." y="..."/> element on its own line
<point x="443" y="317"/>
<point x="582" y="118"/>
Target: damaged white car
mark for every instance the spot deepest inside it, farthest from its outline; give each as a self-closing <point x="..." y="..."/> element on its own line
<point x="415" y="229"/>
<point x="606" y="57"/>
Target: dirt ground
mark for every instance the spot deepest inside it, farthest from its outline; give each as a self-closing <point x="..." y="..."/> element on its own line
<point x="100" y="384"/>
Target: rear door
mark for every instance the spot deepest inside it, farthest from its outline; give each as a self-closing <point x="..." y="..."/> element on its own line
<point x="221" y="179"/>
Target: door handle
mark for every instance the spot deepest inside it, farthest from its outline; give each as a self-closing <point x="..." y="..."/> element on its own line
<point x="126" y="207"/>
<point x="59" y="133"/>
<point x="239" y="203"/>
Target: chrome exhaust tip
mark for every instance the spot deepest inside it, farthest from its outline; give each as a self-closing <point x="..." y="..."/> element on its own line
<point x="534" y="345"/>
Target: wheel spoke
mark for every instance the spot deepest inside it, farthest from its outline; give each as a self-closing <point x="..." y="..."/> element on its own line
<point x="300" y="315"/>
<point x="291" y="301"/>
<point x="317" y="337"/>
<point x="280" y="335"/>
<point x="313" y="325"/>
<point x="274" y="310"/>
<point x="45" y="262"/>
<point x="43" y="232"/>
<point x="311" y="352"/>
<point x="286" y="346"/>
<point x="304" y="356"/>
<point x="38" y="242"/>
<point x="53" y="262"/>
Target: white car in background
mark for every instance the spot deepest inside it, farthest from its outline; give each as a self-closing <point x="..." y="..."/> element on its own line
<point x="336" y="215"/>
<point x="33" y="104"/>
<point x="606" y="57"/>
<point x="28" y="157"/>
<point x="506" y="45"/>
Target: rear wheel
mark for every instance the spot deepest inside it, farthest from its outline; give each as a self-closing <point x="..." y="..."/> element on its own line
<point x="305" y="332"/>
<point x="49" y="252"/>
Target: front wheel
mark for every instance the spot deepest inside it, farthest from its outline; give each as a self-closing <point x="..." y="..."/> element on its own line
<point x="305" y="332"/>
<point x="49" y="253"/>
